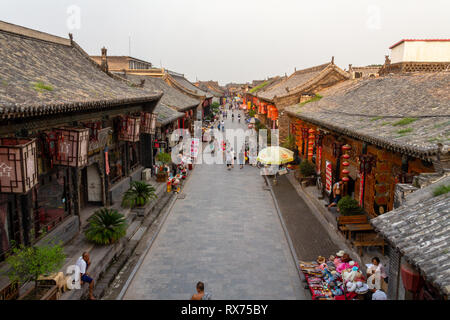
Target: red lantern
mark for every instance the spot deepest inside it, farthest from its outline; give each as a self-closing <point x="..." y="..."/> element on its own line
<point x="345" y="164"/>
<point x="72" y="147"/>
<point x="18" y="165"/>
<point x="130" y="129"/>
<point x="148" y="122"/>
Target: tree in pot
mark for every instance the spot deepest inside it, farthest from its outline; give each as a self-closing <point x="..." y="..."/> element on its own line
<point x="164" y="158"/>
<point x="138" y="195"/>
<point x="29" y="263"/>
<point x="307" y="169"/>
<point x="349" y="206"/>
<point x="106" y="226"/>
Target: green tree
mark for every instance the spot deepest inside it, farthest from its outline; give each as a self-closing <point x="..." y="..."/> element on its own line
<point x="307" y="168"/>
<point x="28" y="263"/>
<point x="138" y="195"/>
<point x="349" y="206"/>
<point x="106" y="226"/>
<point x="164" y="157"/>
<point x="289" y="143"/>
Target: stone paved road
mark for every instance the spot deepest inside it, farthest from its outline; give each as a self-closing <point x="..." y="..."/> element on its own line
<point x="225" y="233"/>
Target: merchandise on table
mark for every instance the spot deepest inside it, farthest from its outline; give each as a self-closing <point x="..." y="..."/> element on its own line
<point x="335" y="278"/>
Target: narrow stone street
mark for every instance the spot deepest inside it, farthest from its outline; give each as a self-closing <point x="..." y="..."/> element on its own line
<point x="226" y="233"/>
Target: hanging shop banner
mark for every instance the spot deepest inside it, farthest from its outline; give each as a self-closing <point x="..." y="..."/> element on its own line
<point x="328" y="177"/>
<point x="195" y="142"/>
<point x="319" y="159"/>
<point x="361" y="189"/>
<point x="107" y="170"/>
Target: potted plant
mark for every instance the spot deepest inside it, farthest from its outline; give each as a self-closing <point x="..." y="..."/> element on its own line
<point x="349" y="206"/>
<point x="164" y="158"/>
<point x="139" y="194"/>
<point x="106" y="226"/>
<point x="29" y="263"/>
<point x="307" y="172"/>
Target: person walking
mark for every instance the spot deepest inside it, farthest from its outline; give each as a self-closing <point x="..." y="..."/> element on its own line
<point x="241" y="158"/>
<point x="232" y="116"/>
<point x="229" y="159"/>
<point x="222" y="125"/>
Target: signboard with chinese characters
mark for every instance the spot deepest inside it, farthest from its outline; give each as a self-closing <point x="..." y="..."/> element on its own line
<point x="18" y="165"/>
<point x="361" y="189"/>
<point x="319" y="159"/>
<point x="328" y="177"/>
<point x="104" y="137"/>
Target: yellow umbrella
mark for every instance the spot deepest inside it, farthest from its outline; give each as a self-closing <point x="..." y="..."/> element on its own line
<point x="275" y="155"/>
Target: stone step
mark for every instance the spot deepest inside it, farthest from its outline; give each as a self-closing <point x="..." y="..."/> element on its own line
<point x="138" y="234"/>
<point x="132" y="228"/>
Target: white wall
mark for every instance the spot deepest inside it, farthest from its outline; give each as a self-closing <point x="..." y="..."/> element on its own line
<point x="421" y="51"/>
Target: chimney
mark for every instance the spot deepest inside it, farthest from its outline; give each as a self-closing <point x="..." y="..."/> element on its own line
<point x="387" y="61"/>
<point x="104" y="64"/>
<point x="332" y="60"/>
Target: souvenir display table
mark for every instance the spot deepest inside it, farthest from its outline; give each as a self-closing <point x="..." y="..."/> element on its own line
<point x="325" y="283"/>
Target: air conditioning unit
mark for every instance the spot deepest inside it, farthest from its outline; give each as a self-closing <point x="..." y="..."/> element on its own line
<point x="146" y="174"/>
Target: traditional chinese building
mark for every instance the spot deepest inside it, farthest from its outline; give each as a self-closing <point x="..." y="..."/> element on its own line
<point x="419" y="239"/>
<point x="302" y="85"/>
<point x="213" y="88"/>
<point x="418" y="55"/>
<point x="70" y="136"/>
<point x="374" y="133"/>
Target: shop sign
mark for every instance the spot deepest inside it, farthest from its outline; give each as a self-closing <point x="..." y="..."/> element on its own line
<point x="18" y="165"/>
<point x="102" y="141"/>
<point x="361" y="189"/>
<point x="319" y="159"/>
<point x="328" y="176"/>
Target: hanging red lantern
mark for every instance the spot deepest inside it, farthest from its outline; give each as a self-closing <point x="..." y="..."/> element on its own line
<point x="311" y="139"/>
<point x="18" y="165"/>
<point x="148" y="122"/>
<point x="345" y="164"/>
<point x="130" y="129"/>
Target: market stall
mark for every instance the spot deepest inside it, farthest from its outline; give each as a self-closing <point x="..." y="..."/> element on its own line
<point x="334" y="279"/>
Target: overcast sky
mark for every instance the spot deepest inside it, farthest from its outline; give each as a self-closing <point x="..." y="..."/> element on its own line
<point x="236" y="40"/>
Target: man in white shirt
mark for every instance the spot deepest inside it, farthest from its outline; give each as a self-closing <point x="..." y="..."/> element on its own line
<point x="378" y="294"/>
<point x="83" y="263"/>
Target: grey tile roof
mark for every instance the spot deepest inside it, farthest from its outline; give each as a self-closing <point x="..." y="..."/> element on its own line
<point x="210" y="87"/>
<point x="188" y="85"/>
<point x="172" y="97"/>
<point x="166" y="114"/>
<point x="421" y="231"/>
<point x="296" y="79"/>
<point x="370" y="110"/>
<point x="40" y="74"/>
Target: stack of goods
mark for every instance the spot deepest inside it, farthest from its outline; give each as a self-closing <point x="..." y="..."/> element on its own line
<point x="314" y="278"/>
<point x="335" y="278"/>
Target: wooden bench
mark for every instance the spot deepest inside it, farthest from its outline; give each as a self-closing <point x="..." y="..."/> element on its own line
<point x="371" y="239"/>
<point x="343" y="220"/>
